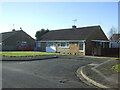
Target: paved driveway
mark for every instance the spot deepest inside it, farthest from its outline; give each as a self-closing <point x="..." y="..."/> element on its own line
<point x="49" y="73"/>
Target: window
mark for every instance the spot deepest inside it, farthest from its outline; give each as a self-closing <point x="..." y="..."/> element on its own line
<point x="23" y="43"/>
<point x="63" y="44"/>
<point x="81" y="46"/>
<point x="49" y="44"/>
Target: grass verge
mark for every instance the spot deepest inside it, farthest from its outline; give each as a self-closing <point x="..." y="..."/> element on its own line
<point x="26" y="53"/>
<point x="117" y="67"/>
<point x="115" y="58"/>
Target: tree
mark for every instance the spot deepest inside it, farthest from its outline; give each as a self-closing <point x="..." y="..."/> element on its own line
<point x="40" y="33"/>
<point x="112" y="31"/>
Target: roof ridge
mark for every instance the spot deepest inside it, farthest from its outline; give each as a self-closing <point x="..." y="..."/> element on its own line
<point x="76" y="28"/>
<point x="90" y="26"/>
<point x="10" y="31"/>
<point x="116" y="34"/>
<point x="9" y="34"/>
<point x="70" y="34"/>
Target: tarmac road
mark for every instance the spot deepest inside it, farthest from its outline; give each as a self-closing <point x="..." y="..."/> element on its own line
<point x="49" y="73"/>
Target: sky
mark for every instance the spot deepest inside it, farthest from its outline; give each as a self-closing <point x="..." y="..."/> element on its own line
<point x="33" y="16"/>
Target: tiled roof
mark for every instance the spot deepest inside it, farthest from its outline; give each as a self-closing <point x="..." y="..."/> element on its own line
<point x="81" y="33"/>
<point x="6" y="35"/>
<point x="115" y="37"/>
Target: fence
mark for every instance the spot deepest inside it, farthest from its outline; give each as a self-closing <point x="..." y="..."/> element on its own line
<point x="112" y="52"/>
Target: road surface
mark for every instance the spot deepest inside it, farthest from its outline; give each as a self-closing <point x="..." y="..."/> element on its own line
<point x="49" y="73"/>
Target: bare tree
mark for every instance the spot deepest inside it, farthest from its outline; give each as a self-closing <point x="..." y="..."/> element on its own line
<point x="112" y="31"/>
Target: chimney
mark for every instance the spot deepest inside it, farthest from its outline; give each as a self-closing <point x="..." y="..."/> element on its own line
<point x="13" y="29"/>
<point x="20" y="28"/>
<point x="73" y="27"/>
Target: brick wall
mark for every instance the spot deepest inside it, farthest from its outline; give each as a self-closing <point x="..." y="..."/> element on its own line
<point x="73" y="49"/>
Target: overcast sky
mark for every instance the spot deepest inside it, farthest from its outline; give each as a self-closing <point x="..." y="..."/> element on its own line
<point x="33" y="16"/>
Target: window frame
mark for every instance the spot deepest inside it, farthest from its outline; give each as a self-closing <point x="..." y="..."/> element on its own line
<point x="50" y="44"/>
<point x="23" y="43"/>
<point x="83" y="46"/>
<point x="63" y="46"/>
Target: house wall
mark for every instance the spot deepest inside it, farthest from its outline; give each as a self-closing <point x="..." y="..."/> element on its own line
<point x="114" y="44"/>
<point x="9" y="47"/>
<point x="88" y="47"/>
<point x="62" y="50"/>
<point x="73" y="49"/>
<point x="42" y="47"/>
<point x="11" y="43"/>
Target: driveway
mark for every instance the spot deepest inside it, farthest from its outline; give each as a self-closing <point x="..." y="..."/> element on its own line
<point x="49" y="73"/>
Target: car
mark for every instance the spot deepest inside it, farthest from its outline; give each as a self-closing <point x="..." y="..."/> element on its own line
<point x="25" y="48"/>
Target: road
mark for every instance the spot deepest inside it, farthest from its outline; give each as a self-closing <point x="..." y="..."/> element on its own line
<point x="49" y="73"/>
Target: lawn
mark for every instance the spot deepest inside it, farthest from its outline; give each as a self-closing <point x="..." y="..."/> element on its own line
<point x="117" y="67"/>
<point x="26" y="53"/>
<point x="115" y="58"/>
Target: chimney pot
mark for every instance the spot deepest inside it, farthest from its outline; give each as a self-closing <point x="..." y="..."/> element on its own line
<point x="13" y="29"/>
<point x="74" y="27"/>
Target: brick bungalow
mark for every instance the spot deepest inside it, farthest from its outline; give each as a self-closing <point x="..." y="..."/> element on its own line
<point x="115" y="41"/>
<point x="77" y="41"/>
<point x="15" y="38"/>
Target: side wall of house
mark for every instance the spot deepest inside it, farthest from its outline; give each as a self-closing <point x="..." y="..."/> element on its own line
<point x="98" y="35"/>
<point x="11" y="43"/>
<point x="42" y="47"/>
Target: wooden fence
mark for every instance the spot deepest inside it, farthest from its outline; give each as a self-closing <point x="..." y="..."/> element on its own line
<point x="111" y="52"/>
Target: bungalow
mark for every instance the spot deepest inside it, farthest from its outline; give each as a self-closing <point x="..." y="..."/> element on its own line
<point x="14" y="39"/>
<point x="77" y="41"/>
<point x="115" y="41"/>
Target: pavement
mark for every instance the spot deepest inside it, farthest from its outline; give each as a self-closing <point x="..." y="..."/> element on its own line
<point x="100" y="75"/>
<point x="29" y="58"/>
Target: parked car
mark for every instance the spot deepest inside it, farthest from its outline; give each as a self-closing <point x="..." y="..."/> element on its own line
<point x="25" y="48"/>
